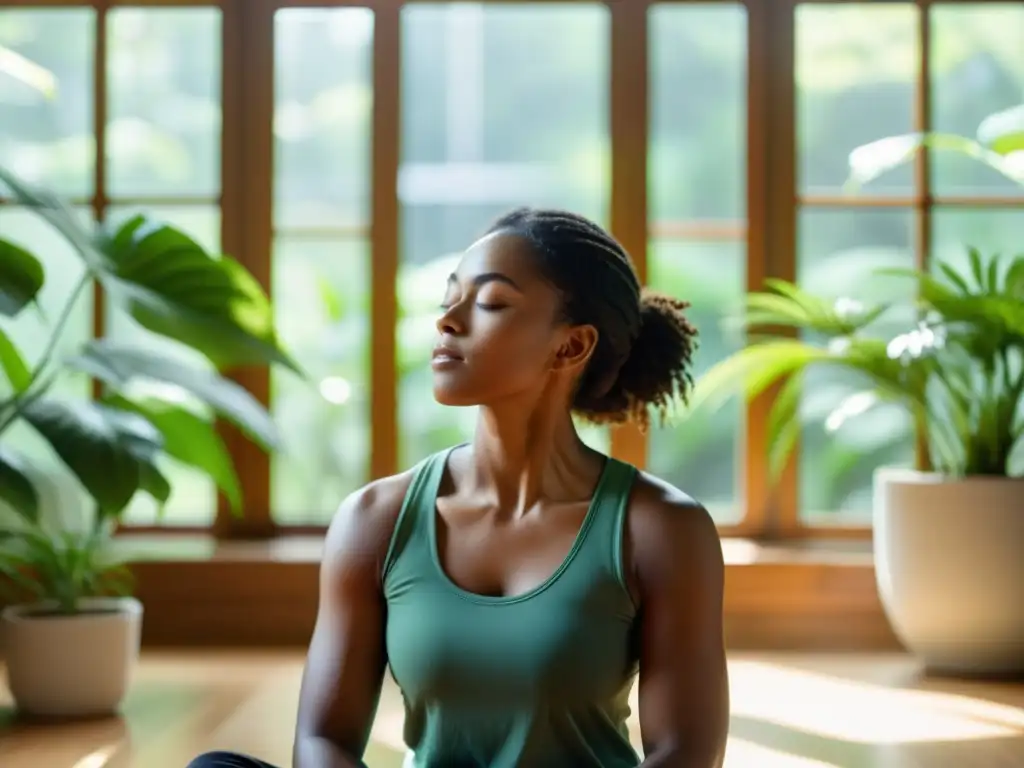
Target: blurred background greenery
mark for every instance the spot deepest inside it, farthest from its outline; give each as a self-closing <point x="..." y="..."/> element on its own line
<point x="504" y="106"/>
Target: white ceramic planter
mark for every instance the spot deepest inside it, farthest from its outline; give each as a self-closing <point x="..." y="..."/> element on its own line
<point x="949" y="561"/>
<point x="71" y="666"/>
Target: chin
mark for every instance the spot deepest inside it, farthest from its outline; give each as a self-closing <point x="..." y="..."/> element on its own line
<point x="447" y="394"/>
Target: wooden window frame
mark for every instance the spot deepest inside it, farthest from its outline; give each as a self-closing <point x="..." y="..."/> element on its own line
<point x="771" y="513"/>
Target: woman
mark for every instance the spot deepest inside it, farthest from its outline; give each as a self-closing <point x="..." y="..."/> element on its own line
<point x="518" y="584"/>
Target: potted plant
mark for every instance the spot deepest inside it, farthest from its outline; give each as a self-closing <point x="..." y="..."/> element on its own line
<point x="70" y="649"/>
<point x="949" y="532"/>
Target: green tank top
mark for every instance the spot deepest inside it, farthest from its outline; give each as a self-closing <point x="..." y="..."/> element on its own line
<point x="538" y="680"/>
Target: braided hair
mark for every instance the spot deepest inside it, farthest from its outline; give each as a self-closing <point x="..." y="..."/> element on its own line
<point x="643" y="357"/>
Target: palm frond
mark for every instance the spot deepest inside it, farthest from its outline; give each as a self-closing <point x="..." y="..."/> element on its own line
<point x="786" y="305"/>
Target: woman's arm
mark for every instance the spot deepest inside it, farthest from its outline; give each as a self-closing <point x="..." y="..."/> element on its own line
<point x="684" y="687"/>
<point x="345" y="665"/>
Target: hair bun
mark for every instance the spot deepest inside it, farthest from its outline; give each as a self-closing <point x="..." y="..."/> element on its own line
<point x="657" y="370"/>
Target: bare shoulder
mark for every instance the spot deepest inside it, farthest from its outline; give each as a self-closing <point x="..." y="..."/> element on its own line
<point x="670" y="534"/>
<point x="361" y="529"/>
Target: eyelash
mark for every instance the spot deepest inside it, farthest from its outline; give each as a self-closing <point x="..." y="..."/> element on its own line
<point x="485" y="307"/>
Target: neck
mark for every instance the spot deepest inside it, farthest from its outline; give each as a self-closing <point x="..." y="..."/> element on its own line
<point x="519" y="461"/>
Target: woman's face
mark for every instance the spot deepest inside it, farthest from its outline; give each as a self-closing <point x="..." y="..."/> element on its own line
<point x="499" y="334"/>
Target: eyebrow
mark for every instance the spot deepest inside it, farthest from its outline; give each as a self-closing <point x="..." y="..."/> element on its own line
<point x="488" y="277"/>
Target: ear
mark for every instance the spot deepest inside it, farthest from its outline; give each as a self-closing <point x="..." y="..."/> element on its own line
<point x="576" y="348"/>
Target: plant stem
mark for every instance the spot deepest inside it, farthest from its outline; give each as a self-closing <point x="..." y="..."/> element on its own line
<point x="58" y="330"/>
<point x="11" y="407"/>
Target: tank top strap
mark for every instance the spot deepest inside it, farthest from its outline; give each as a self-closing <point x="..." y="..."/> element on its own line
<point x="605" y="538"/>
<point x="419" y="505"/>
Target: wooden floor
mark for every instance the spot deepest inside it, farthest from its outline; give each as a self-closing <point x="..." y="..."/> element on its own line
<point x="799" y="711"/>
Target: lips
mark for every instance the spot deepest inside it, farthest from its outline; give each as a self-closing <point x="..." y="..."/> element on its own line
<point x="443" y="352"/>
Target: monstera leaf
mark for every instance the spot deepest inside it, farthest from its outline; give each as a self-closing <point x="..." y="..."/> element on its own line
<point x="21" y="278"/>
<point x="173" y="287"/>
<point x="190" y="439"/>
<point x="169" y="284"/>
<point x="13" y="364"/>
<point x="15" y="486"/>
<point x="56" y="212"/>
<point x="118" y="366"/>
<point x="112" y="452"/>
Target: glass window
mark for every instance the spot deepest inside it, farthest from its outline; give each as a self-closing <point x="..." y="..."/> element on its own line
<point x="977" y="69"/>
<point x="61" y="496"/>
<point x="838" y="251"/>
<point x="502" y="106"/>
<point x="321" y="259"/>
<point x="164" y="105"/>
<point x="46" y="130"/>
<point x="163" y="141"/>
<point x="857" y="66"/>
<point x="697" y="252"/>
<point x="46" y="138"/>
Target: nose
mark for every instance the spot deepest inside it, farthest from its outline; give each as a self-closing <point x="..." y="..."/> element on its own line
<point x="451" y="322"/>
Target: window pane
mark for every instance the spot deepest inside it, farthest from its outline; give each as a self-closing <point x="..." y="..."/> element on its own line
<point x="164" y="71"/>
<point x="698" y="154"/>
<point x="48" y="140"/>
<point x="31" y="332"/>
<point x="193" y="496"/>
<point x="322" y="294"/>
<point x="698" y="134"/>
<point x="838" y="251"/>
<point x="954" y="230"/>
<point x="321" y="275"/>
<point x="488" y="123"/>
<point x="977" y="68"/>
<point x="856" y="70"/>
<point x="701" y="456"/>
<point x="324" y="95"/>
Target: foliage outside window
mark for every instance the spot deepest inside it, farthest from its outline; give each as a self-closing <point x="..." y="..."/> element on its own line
<point x="488" y="123"/>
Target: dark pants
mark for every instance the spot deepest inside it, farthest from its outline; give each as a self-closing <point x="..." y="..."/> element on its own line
<point x="227" y="760"/>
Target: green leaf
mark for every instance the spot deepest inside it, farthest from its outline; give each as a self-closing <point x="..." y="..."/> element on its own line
<point x="16" y="488"/>
<point x="191" y="440"/>
<point x="52" y="209"/>
<point x="331" y="299"/>
<point x="1003" y="132"/>
<point x="786" y="304"/>
<point x="14" y="569"/>
<point x="870" y="161"/>
<point x="977" y="267"/>
<point x="174" y="288"/>
<point x="25" y="71"/>
<point x="992" y="275"/>
<point x="752" y="370"/>
<point x="784" y="425"/>
<point x="955" y="278"/>
<point x="13" y="364"/>
<point x="1015" y="278"/>
<point x="118" y="366"/>
<point x="21" y="278"/>
<point x="153" y="482"/>
<point x="104" y="447"/>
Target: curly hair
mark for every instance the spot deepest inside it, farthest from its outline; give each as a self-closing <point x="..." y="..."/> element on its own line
<point x="643" y="357"/>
